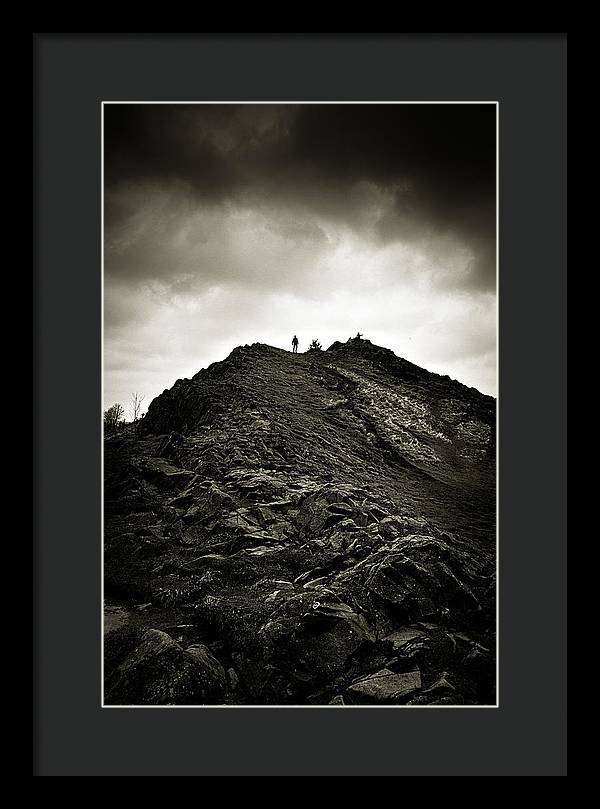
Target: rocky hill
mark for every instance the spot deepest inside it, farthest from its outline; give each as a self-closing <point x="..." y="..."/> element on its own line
<point x="301" y="529"/>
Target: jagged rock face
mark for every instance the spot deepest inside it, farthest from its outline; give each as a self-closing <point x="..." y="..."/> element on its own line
<point x="316" y="519"/>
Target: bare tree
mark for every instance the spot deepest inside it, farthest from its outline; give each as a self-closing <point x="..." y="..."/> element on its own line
<point x="113" y="418"/>
<point x="136" y="405"/>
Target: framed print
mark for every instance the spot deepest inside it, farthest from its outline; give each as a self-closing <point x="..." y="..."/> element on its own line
<point x="306" y="520"/>
<point x="295" y="489"/>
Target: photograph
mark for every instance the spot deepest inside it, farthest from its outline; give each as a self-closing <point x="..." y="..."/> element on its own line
<point x="299" y="404"/>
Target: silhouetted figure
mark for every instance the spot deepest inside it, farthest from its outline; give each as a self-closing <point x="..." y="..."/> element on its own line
<point x="358" y="335"/>
<point x="294" y="345"/>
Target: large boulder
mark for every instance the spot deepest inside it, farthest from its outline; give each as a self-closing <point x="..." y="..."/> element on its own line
<point x="158" y="671"/>
<point x="385" y="686"/>
<point x="417" y="573"/>
<point x="312" y="637"/>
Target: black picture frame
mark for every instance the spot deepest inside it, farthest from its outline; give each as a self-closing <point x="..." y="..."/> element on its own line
<point x="526" y="74"/>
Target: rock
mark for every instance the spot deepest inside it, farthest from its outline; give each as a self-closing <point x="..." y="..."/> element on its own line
<point x="390" y="526"/>
<point x="340" y="508"/>
<point x="260" y="679"/>
<point x="259" y="485"/>
<point x="454" y="699"/>
<point x="158" y="671"/>
<point x="192" y="515"/>
<point x="204" y="501"/>
<point x="431" y="699"/>
<point x="238" y="523"/>
<point x="234" y="680"/>
<point x="347" y="525"/>
<point x="311" y="575"/>
<point x="466" y="645"/>
<point x="212" y="672"/>
<point x="316" y="584"/>
<point x="401" y="637"/>
<point x="324" y="652"/>
<point x="419" y="608"/>
<point x="336" y="610"/>
<point x="377" y="513"/>
<point x="162" y="473"/>
<point x="314" y="635"/>
<point x="417" y="573"/>
<point x="478" y="658"/>
<point x="260" y="550"/>
<point x="263" y="515"/>
<point x="332" y="520"/>
<point x="414" y="524"/>
<point x="386" y="686"/>
<point x="429" y="652"/>
<point x="442" y="686"/>
<point x="393" y="580"/>
<point x="462" y="641"/>
<point x="277" y="505"/>
<point x="216" y="501"/>
<point x="337" y="700"/>
<point x="209" y="465"/>
<point x="311" y="516"/>
<point x="181" y="632"/>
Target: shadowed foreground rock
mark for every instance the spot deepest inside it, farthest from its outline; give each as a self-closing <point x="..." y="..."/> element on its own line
<point x="303" y="529"/>
<point x="156" y="670"/>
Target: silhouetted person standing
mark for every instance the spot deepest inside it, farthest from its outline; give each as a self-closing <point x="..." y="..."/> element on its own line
<point x="294" y="345"/>
<point x="358" y="336"/>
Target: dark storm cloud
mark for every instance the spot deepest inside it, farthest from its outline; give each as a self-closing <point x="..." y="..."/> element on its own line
<point x="157" y="144"/>
<point x="230" y="224"/>
<point x="432" y="165"/>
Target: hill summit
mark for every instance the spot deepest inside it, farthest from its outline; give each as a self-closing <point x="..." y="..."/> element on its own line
<point x="312" y="528"/>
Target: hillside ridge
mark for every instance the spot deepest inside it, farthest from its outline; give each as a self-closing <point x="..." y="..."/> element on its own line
<point x="314" y="528"/>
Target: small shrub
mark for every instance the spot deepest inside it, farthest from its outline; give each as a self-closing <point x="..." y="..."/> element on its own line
<point x="113" y="418"/>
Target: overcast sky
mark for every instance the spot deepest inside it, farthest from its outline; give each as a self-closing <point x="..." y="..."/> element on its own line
<point x="234" y="224"/>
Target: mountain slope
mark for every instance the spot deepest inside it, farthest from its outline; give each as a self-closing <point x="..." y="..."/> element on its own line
<point x="301" y="529"/>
